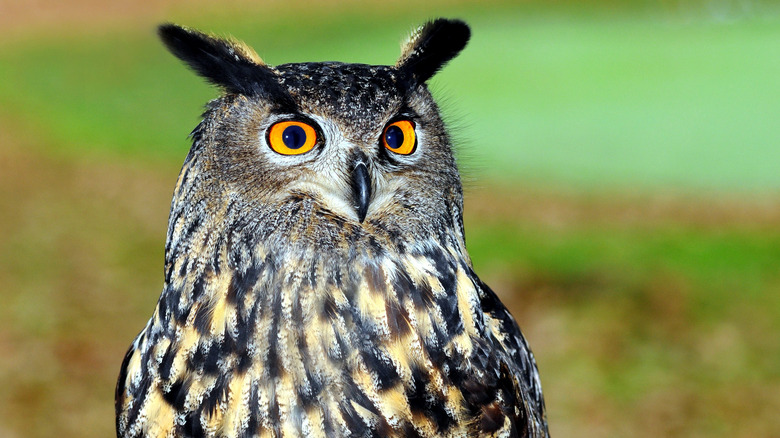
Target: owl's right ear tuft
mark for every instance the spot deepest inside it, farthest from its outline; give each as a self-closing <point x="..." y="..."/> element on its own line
<point x="431" y="46"/>
<point x="229" y="64"/>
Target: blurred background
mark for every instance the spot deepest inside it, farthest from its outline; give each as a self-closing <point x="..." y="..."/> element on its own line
<point x="622" y="171"/>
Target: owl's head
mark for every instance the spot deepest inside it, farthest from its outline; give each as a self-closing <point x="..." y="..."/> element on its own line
<point x="365" y="143"/>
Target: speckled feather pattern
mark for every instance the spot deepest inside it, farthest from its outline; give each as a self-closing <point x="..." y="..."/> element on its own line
<point x="282" y="314"/>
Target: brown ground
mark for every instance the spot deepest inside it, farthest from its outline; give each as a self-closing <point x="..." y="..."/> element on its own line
<point x="79" y="241"/>
<point x="626" y="209"/>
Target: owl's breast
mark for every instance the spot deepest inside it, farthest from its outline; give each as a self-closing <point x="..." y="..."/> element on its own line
<point x="359" y="342"/>
<point x="306" y="341"/>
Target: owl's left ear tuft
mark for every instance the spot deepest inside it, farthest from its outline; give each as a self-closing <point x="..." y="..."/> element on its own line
<point x="431" y="46"/>
<point x="226" y="63"/>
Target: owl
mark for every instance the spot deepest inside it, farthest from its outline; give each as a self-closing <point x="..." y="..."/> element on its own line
<point x="317" y="281"/>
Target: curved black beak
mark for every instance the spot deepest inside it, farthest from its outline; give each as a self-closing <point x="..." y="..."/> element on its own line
<point x="361" y="189"/>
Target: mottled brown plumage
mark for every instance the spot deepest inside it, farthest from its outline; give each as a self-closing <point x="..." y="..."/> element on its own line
<point x="327" y="293"/>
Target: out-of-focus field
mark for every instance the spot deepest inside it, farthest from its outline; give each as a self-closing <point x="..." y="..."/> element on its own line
<point x="623" y="194"/>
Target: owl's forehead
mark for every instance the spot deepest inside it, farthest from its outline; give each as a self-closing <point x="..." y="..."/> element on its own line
<point x="349" y="92"/>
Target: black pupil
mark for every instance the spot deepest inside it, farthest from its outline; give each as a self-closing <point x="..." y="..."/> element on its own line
<point x="394" y="137"/>
<point x="294" y="137"/>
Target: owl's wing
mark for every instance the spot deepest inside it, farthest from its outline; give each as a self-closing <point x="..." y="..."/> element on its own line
<point x="527" y="385"/>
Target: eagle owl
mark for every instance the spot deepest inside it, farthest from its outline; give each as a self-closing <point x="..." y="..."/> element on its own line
<point x="316" y="275"/>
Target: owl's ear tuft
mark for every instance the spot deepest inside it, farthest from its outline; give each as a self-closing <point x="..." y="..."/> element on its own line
<point x="431" y="46"/>
<point x="229" y="64"/>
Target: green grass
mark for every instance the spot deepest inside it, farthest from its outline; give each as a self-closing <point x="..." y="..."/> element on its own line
<point x="649" y="103"/>
<point x="716" y="263"/>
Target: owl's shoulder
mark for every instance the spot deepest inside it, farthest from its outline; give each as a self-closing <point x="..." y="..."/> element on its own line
<point x="477" y="343"/>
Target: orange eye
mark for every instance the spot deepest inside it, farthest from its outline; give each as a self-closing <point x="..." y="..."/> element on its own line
<point x="399" y="137"/>
<point x="292" y="137"/>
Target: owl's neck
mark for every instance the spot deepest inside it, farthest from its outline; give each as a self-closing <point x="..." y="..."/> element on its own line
<point x="226" y="255"/>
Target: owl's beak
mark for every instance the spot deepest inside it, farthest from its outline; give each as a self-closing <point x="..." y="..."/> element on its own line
<point x="361" y="188"/>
